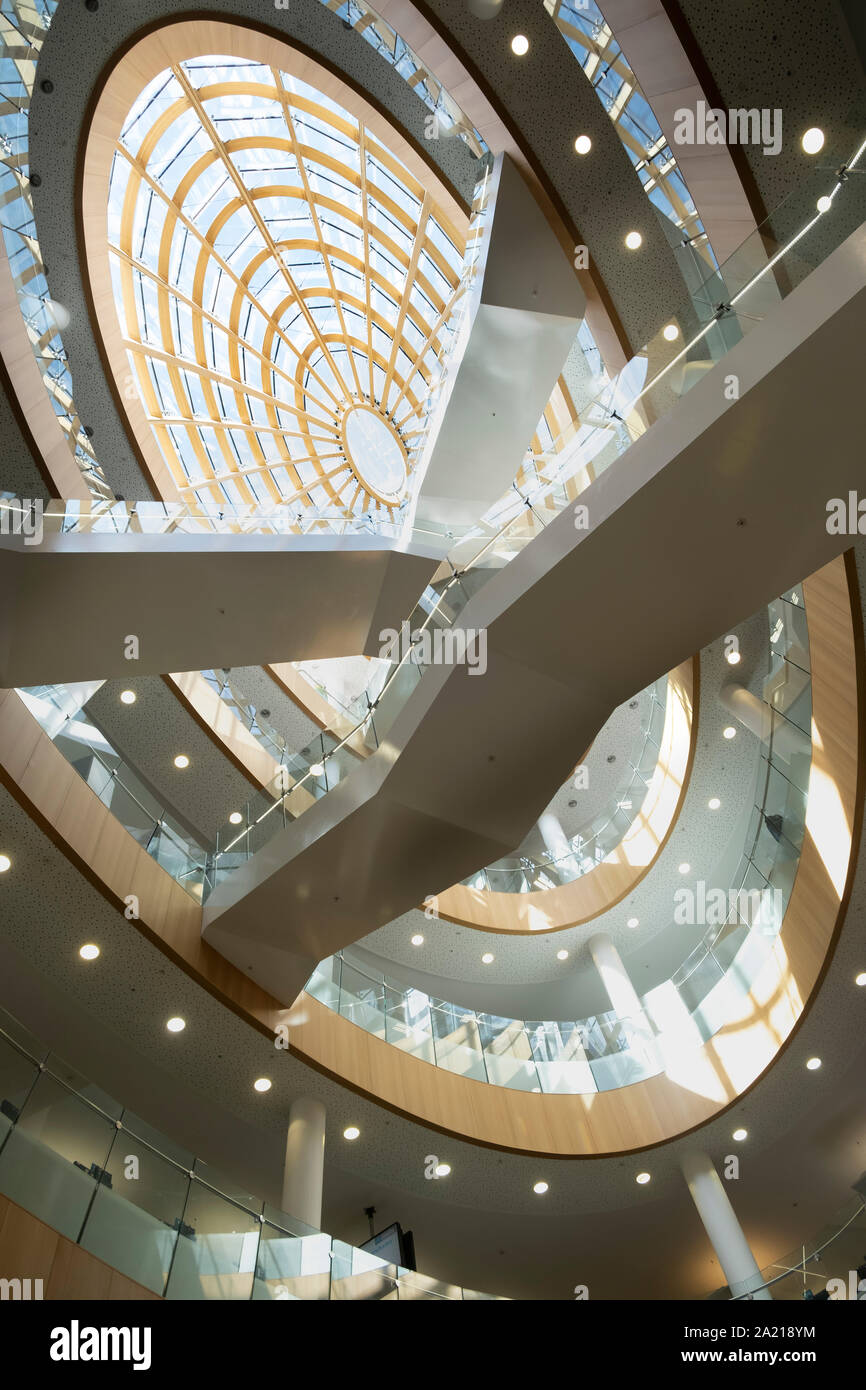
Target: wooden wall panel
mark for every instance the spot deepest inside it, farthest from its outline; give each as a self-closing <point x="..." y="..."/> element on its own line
<point x="31" y="1250"/>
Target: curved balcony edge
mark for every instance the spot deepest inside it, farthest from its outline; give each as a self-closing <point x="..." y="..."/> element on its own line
<point x="631" y="1118"/>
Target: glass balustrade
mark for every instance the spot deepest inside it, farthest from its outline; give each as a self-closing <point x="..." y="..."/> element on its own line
<point x="105" y="1179"/>
<point x="118" y="786"/>
<point x="388" y="44"/>
<point x="22" y="28"/>
<point x="596" y="840"/>
<point x="710" y="987"/>
<point x="825" y="1266"/>
<point x="592" y="43"/>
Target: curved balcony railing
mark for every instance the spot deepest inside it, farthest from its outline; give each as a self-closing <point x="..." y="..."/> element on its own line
<point x="60" y="711"/>
<point x="108" y="1181"/>
<point x="777" y="257"/>
<point x="606" y="1050"/>
<point x="597" y="839"/>
<point x="591" y="40"/>
<point x="825" y="1267"/>
<point x="397" y="53"/>
<point x="22" y="28"/>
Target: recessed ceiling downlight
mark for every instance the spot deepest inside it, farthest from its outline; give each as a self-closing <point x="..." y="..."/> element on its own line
<point x="176" y="1024"/>
<point x="540" y="1188"/>
<point x="562" y="955"/>
<point x="235" y="818"/>
<point x="643" y="1179"/>
<point x="740" y="1135"/>
<point x="729" y="732"/>
<point x="442" y="1170"/>
<point x="351" y="1132"/>
<point x="633" y="240"/>
<point x="520" y="45"/>
<point x="813" y="140"/>
<point x="860" y="979"/>
<point x="5" y="863"/>
<point x="487" y="958"/>
<point x="670" y="332"/>
<point x="824" y="204"/>
<point x="127" y="697"/>
<point x="88" y="952"/>
<point x="583" y="144"/>
<point x="417" y="939"/>
<point x="181" y="760"/>
<point x="684" y="867"/>
<point x="263" y="1083"/>
<point x="633" y="922"/>
<point x="813" y="1064"/>
<point x="714" y="803"/>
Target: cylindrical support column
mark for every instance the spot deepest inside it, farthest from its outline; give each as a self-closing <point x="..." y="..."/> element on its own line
<point x="615" y="978"/>
<point x="721" y="1225"/>
<point x="625" y="1000"/>
<point x="556" y="842"/>
<point x="756" y="716"/>
<point x="305" y="1162"/>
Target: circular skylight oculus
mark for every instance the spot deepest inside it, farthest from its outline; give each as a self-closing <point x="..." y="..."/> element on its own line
<point x="374" y="451"/>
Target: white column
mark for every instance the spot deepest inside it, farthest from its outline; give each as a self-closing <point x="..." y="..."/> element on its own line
<point x="754" y="714"/>
<point x="305" y="1162"/>
<point x="625" y="1000"/>
<point x="615" y="978"/>
<point x="556" y="842"/>
<point x="721" y="1225"/>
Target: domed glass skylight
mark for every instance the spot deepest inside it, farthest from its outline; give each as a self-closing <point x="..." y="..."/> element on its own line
<point x="284" y="287"/>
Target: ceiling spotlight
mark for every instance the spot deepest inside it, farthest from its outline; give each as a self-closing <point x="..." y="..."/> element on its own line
<point x="733" y="658"/>
<point x="176" y="1025"/>
<point x="684" y="868"/>
<point x="181" y="760"/>
<point x="89" y="952"/>
<point x="860" y="979"/>
<point x="5" y="863"/>
<point x="632" y="921"/>
<point x="417" y="939"/>
<point x="442" y="1170"/>
<point x="317" y="769"/>
<point x="562" y="955"/>
<point x="813" y="1064"/>
<point x="540" y="1188"/>
<point x="670" y="332"/>
<point x="714" y="803"/>
<point x="351" y="1132"/>
<point x="264" y="1083"/>
<point x="520" y="45"/>
<point x="740" y="1135"/>
<point x="487" y="958"/>
<point x="633" y="240"/>
<point x="583" y="144"/>
<point x="729" y="732"/>
<point x="127" y="697"/>
<point x="824" y="204"/>
<point x="813" y="140"/>
<point x="642" y="1178"/>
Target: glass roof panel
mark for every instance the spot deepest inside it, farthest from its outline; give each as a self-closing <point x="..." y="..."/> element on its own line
<point x="265" y="248"/>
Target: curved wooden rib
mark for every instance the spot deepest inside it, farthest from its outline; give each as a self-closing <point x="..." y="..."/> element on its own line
<point x="695" y="1087"/>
